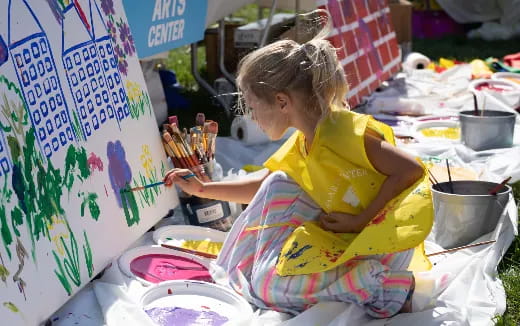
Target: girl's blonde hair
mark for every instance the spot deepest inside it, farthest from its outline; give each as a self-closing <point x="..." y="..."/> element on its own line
<point x="311" y="70"/>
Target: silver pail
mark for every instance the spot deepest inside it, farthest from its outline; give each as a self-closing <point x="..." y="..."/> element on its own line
<point x="467" y="213"/>
<point x="487" y="130"/>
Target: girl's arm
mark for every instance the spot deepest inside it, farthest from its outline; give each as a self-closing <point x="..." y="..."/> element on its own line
<point x="239" y="191"/>
<point x="402" y="171"/>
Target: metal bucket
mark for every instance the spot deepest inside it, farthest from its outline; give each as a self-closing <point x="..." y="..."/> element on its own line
<point x="492" y="129"/>
<point x="468" y="213"/>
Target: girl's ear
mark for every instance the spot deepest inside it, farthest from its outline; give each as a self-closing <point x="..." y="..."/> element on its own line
<point x="282" y="100"/>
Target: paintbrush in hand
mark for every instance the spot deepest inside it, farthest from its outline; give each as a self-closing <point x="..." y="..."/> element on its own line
<point x="151" y="185"/>
<point x="143" y="187"/>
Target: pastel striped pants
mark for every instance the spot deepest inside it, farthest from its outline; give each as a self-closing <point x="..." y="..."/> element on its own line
<point x="379" y="283"/>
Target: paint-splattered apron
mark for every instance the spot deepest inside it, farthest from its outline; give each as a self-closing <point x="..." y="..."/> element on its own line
<point x="338" y="176"/>
<point x="379" y="283"/>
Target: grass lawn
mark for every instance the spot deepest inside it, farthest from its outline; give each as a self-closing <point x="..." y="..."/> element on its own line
<point x="509" y="273"/>
<point x="450" y="47"/>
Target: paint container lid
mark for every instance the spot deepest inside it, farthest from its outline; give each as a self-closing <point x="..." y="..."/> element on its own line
<point x="196" y="300"/>
<point x="509" y="76"/>
<point x="125" y="260"/>
<point x="440" y="130"/>
<point x="493" y="85"/>
<point x="190" y="237"/>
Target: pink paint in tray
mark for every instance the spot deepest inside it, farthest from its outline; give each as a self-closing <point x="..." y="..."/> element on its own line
<point x="156" y="268"/>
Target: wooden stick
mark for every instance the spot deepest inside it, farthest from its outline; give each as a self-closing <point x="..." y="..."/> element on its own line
<point x="496" y="189"/>
<point x="169" y="140"/>
<point x="190" y="251"/>
<point x="436" y="181"/>
<point x="433" y="177"/>
<point x="459" y="248"/>
<point x="171" y="154"/>
<point x="189" y="152"/>
<point x="449" y="176"/>
<point x="475" y="105"/>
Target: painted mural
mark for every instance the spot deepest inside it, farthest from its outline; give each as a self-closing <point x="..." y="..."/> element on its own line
<point x="76" y="130"/>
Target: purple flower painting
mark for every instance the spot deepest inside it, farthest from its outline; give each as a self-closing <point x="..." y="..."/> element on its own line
<point x="108" y="7"/>
<point x="111" y="29"/>
<point x="118" y="169"/>
<point x="56" y="10"/>
<point x="127" y="39"/>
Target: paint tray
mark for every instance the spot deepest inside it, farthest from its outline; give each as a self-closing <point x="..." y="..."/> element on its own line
<point x="440" y="130"/>
<point x="197" y="301"/>
<point x="127" y="257"/>
<point x="191" y="237"/>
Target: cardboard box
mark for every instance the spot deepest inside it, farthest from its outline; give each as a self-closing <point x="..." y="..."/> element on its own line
<point x="401" y="15"/>
<point x="250" y="35"/>
<point x="211" y="40"/>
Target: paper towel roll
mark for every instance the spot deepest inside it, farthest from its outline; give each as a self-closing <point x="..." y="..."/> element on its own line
<point x="247" y="131"/>
<point x="415" y="60"/>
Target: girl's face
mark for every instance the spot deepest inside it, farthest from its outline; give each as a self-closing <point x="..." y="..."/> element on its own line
<point x="271" y="118"/>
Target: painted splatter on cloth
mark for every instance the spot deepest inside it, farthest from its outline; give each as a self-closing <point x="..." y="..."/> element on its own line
<point x="379" y="283"/>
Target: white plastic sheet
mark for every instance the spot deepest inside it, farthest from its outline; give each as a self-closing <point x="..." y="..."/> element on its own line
<point x="474" y="296"/>
<point x="423" y="92"/>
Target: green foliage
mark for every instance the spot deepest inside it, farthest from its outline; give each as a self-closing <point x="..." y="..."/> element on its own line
<point x="76" y="126"/>
<point x="39" y="188"/>
<point x="14" y="147"/>
<point x="509" y="273"/>
<point x="60" y="273"/>
<point x="91" y="201"/>
<point x="16" y="220"/>
<point x="141" y="106"/>
<point x="11" y="306"/>
<point x="4" y="273"/>
<point x="179" y="60"/>
<point x="129" y="204"/>
<point x="71" y="261"/>
<point x="87" y="251"/>
<point x="7" y="237"/>
<point x="148" y="195"/>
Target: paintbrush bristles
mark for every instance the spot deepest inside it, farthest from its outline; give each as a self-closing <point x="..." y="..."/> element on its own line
<point x="191" y="150"/>
<point x="200" y="119"/>
<point x="213" y="127"/>
<point x="173" y="119"/>
<point x="167" y="137"/>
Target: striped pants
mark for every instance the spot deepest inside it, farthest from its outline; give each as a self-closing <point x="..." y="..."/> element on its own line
<point x="379" y="283"/>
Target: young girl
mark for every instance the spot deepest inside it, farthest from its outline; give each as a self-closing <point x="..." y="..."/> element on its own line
<point x="339" y="214"/>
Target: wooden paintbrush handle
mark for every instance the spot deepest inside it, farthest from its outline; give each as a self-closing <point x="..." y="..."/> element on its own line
<point x="190" y="251"/>
<point x="460" y="248"/>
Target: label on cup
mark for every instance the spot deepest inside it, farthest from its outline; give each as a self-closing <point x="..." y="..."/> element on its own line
<point x="209" y="214"/>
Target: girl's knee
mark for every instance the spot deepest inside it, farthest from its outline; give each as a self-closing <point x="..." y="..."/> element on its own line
<point x="277" y="176"/>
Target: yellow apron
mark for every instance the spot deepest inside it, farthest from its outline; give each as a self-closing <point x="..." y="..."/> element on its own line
<point x="338" y="176"/>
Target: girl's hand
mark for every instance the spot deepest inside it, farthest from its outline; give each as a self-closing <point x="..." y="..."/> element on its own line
<point x="341" y="222"/>
<point x="181" y="177"/>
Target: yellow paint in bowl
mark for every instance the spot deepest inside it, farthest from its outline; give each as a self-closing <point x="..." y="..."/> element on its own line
<point x="441" y="132"/>
<point x="209" y="247"/>
<point x="513" y="79"/>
